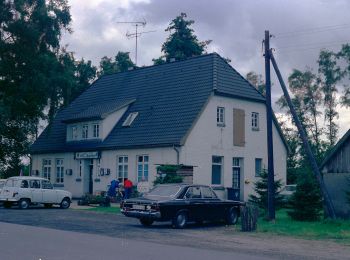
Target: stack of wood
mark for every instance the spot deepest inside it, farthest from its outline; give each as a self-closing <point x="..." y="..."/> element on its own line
<point x="249" y="218"/>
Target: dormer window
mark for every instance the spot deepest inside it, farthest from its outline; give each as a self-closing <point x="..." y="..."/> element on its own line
<point x="74" y="132"/>
<point x="85" y="132"/>
<point x="96" y="133"/>
<point x="131" y="117"/>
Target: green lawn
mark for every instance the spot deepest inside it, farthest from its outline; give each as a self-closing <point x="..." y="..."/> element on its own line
<point x="338" y="230"/>
<point x="105" y="209"/>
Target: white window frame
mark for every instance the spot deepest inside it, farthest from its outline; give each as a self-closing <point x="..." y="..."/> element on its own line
<point x="59" y="170"/>
<point x="220" y="116"/>
<point x="255" y="121"/>
<point x="144" y="167"/>
<point x="47" y="168"/>
<point x="74" y="132"/>
<point x="122" y="166"/>
<point x="85" y="131"/>
<point x="221" y="164"/>
<point x="96" y="130"/>
<point x="130" y="118"/>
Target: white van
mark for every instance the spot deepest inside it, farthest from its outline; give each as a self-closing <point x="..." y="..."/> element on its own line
<point x="24" y="191"/>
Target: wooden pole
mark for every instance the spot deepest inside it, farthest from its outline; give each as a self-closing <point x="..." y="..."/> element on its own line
<point x="303" y="136"/>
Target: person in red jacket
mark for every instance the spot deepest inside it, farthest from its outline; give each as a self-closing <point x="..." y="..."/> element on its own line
<point x="127" y="188"/>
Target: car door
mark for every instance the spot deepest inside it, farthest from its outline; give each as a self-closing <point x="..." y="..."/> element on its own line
<point x="49" y="194"/>
<point x="212" y="205"/>
<point x="194" y="201"/>
<point x="35" y="190"/>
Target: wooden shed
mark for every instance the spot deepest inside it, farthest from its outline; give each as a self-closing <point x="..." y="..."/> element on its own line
<point x="336" y="173"/>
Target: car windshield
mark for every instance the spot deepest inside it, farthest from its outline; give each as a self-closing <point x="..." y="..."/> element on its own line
<point x="164" y="191"/>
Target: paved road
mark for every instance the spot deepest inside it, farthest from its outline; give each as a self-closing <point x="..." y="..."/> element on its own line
<point x="211" y="237"/>
<point x="50" y="244"/>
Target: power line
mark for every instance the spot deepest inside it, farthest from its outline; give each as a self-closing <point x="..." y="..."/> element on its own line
<point x="314" y="44"/>
<point x="311" y="30"/>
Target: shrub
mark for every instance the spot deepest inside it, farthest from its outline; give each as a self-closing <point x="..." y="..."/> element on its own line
<point x="306" y="202"/>
<point x="260" y="187"/>
<point x="167" y="174"/>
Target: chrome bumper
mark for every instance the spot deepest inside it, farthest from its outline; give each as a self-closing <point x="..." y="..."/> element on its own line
<point x="142" y="214"/>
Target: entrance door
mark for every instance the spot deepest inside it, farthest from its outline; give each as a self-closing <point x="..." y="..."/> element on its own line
<point x="91" y="171"/>
<point x="236" y="178"/>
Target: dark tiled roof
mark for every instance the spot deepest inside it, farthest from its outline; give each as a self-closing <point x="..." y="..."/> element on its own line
<point x="98" y="111"/>
<point x="168" y="98"/>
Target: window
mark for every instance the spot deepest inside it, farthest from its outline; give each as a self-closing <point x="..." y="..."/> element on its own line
<point x="96" y="133"/>
<point x="255" y="121"/>
<point x="238" y="127"/>
<point x="216" y="170"/>
<point x="47" y="185"/>
<point x="24" y="184"/>
<point x="131" y="117"/>
<point x="122" y="167"/>
<point x="258" y="167"/>
<point x="207" y="193"/>
<point x="220" y="116"/>
<point x="47" y="168"/>
<point x="74" y="132"/>
<point x="142" y="167"/>
<point x="236" y="173"/>
<point x="85" y="132"/>
<point x="59" y="171"/>
<point x="34" y="184"/>
<point x="193" y="193"/>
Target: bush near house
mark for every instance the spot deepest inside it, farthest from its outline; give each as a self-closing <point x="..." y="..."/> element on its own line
<point x="167" y="174"/>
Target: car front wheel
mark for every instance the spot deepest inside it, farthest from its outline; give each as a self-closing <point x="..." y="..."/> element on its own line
<point x="23" y="204"/>
<point x="180" y="220"/>
<point x="232" y="216"/>
<point x="65" y="204"/>
<point x="146" y="222"/>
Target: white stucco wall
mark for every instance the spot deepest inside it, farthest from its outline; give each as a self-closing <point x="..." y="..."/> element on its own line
<point x="204" y="140"/>
<point x="111" y="120"/>
<point x="207" y="139"/>
<point x="108" y="160"/>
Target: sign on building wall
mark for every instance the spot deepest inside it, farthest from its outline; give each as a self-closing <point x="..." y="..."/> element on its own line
<point x="87" y="155"/>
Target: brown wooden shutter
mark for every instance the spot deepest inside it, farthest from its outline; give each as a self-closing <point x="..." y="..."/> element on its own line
<point x="238" y="127"/>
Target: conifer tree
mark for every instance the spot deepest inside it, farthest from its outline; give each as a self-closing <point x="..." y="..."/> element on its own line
<point x="306" y="202"/>
<point x="259" y="197"/>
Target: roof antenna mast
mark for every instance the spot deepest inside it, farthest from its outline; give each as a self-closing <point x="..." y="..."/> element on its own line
<point x="136" y="34"/>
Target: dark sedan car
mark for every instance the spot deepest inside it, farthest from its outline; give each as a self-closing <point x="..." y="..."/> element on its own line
<point x="181" y="203"/>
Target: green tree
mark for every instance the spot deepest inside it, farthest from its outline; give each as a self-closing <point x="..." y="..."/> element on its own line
<point x="259" y="197"/>
<point x="330" y="75"/>
<point x="121" y="63"/>
<point x="30" y="33"/>
<point x="306" y="202"/>
<point x="181" y="43"/>
<point x="257" y="81"/>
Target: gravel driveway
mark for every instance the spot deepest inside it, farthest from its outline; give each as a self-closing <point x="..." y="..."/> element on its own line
<point x="209" y="236"/>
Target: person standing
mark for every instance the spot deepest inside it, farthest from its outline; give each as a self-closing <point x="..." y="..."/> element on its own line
<point x="127" y="188"/>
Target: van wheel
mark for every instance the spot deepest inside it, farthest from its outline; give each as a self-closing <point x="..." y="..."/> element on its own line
<point x="65" y="204"/>
<point x="7" y="205"/>
<point x="23" y="204"/>
<point x="180" y="220"/>
<point x="232" y="216"/>
<point x="146" y="222"/>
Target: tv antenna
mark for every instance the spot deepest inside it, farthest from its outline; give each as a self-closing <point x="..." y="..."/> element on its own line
<point x="136" y="34"/>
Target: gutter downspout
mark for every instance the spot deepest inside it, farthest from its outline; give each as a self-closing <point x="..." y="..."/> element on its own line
<point x="177" y="154"/>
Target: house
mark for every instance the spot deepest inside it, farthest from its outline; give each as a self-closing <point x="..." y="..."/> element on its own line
<point x="199" y="113"/>
<point x="336" y="175"/>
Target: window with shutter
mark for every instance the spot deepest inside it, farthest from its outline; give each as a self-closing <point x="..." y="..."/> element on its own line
<point x="238" y="127"/>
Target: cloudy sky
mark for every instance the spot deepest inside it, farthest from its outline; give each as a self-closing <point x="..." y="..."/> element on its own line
<point x="236" y="28"/>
